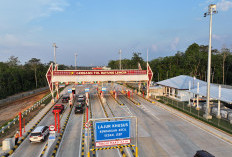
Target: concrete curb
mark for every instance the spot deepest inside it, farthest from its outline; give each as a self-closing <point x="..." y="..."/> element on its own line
<point x="28" y="132"/>
<point x="54" y="152"/>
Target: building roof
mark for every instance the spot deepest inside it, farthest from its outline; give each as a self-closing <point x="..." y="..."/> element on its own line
<point x="226" y="94"/>
<point x="182" y="82"/>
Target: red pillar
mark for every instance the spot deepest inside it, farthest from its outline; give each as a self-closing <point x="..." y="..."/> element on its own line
<point x="87" y="118"/>
<point x="57" y="94"/>
<point x="55" y="121"/>
<point x="20" y="124"/>
<point x="128" y="94"/>
<point x="58" y="120"/>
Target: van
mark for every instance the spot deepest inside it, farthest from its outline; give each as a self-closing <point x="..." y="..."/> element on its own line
<point x="39" y="134"/>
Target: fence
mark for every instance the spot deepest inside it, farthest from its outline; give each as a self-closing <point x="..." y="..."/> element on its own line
<point x="18" y="96"/>
<point x="223" y="124"/>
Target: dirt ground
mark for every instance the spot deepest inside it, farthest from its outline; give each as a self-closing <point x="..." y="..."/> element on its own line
<point x="11" y="132"/>
<point x="10" y="110"/>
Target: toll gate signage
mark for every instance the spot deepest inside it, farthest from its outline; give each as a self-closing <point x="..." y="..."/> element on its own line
<point x="112" y="130"/>
<point x="104" y="89"/>
<point x="86" y="89"/>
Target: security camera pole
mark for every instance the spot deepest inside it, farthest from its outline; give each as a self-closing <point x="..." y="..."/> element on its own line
<point x="120" y="64"/>
<point x="54" y="45"/>
<point x="75" y="60"/>
<point x="211" y="11"/>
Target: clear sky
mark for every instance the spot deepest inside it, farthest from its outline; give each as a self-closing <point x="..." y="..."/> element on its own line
<point x="97" y="29"/>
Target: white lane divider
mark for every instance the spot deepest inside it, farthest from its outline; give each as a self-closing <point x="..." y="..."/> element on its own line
<point x="125" y="108"/>
<point x="148" y="111"/>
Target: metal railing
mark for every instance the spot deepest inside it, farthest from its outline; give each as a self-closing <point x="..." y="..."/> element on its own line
<point x="221" y="123"/>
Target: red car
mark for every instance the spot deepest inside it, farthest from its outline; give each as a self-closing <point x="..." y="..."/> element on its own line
<point x="59" y="107"/>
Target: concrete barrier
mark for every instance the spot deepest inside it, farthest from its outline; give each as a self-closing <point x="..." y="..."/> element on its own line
<point x="7" y="144"/>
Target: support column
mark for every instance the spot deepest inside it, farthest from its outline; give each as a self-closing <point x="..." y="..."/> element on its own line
<point x="189" y="93"/>
<point x="139" y="88"/>
<point x="197" y="96"/>
<point x="53" y="100"/>
<point x="20" y="124"/>
<point x="58" y="120"/>
<point x="169" y="91"/>
<point x="57" y="90"/>
<point x="148" y="86"/>
<point x="173" y="92"/>
<point x="219" y="102"/>
<point x="55" y="121"/>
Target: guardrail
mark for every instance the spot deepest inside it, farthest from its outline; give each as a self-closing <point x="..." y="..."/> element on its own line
<point x="13" y="121"/>
<point x="27" y="133"/>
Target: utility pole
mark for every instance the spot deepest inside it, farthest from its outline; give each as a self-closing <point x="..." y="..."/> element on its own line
<point x="54" y="45"/>
<point x="147" y="56"/>
<point x="120" y="64"/>
<point x="211" y="11"/>
<point x="76" y="61"/>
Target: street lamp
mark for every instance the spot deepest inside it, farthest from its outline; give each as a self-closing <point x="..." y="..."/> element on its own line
<point x="75" y="60"/>
<point x="211" y="11"/>
<point x="120" y="64"/>
<point x="54" y="45"/>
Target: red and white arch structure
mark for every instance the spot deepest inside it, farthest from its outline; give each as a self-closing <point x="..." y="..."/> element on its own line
<point x="136" y="75"/>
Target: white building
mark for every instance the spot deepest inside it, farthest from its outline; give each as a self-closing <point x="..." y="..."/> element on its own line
<point x="178" y="87"/>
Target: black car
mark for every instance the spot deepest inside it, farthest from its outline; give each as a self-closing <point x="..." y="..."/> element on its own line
<point x="65" y="99"/>
<point x="78" y="109"/>
<point x="203" y="153"/>
<point x="82" y="104"/>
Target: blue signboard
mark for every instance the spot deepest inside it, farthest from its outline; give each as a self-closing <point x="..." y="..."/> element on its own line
<point x="61" y="85"/>
<point x="69" y="90"/>
<point x="112" y="130"/>
<point x="104" y="89"/>
<point x="86" y="89"/>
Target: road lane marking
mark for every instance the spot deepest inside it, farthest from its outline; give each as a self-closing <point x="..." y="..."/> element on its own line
<point x="203" y="128"/>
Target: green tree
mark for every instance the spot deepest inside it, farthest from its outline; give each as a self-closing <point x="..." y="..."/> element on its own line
<point x="34" y="64"/>
<point x="13" y="61"/>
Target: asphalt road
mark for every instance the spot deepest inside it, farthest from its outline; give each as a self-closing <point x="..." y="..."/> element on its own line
<point x="34" y="149"/>
<point x="98" y="112"/>
<point x="163" y="134"/>
<point x="160" y="133"/>
<point x="70" y="144"/>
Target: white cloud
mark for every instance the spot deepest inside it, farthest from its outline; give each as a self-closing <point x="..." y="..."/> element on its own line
<point x="10" y="40"/>
<point x="224" y="5"/>
<point x="25" y="11"/>
<point x="216" y="37"/>
<point x="174" y="43"/>
<point x="154" y="47"/>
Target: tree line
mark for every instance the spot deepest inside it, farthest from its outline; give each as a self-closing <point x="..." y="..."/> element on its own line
<point x="192" y="62"/>
<point x="16" y="78"/>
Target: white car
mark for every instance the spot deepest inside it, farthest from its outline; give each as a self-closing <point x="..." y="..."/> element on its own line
<point x="39" y="134"/>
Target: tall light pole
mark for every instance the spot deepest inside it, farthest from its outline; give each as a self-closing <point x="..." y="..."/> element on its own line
<point x="211" y="11"/>
<point x="75" y="60"/>
<point x="54" y="45"/>
<point x="120" y="64"/>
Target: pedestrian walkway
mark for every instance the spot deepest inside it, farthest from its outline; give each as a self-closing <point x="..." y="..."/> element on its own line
<point x="214" y="131"/>
<point x="34" y="120"/>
